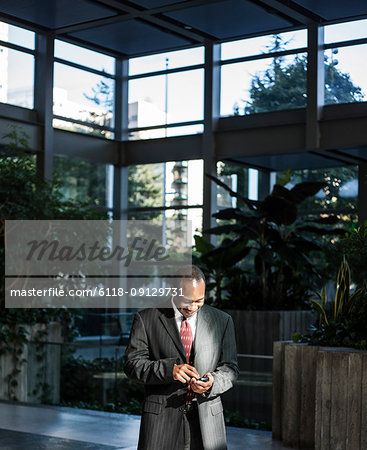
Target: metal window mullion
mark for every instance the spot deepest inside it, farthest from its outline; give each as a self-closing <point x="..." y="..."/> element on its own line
<point x="80" y="122"/>
<point x="17" y="47"/>
<point x="85" y="68"/>
<point x="168" y="125"/>
<point x="263" y="56"/>
<point x="162" y="208"/>
<point x="166" y="72"/>
<point x="341" y="44"/>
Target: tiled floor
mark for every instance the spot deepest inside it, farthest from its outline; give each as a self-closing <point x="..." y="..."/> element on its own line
<point x="52" y="428"/>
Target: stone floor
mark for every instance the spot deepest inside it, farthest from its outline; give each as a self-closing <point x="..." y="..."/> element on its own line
<point x="34" y="427"/>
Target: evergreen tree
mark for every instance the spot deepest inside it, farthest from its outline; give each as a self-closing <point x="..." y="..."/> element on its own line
<point x="284" y="85"/>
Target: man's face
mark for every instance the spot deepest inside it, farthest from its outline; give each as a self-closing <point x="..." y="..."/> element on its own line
<point x="193" y="297"/>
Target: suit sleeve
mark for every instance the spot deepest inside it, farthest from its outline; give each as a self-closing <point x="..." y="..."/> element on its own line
<point x="137" y="364"/>
<point x="227" y="371"/>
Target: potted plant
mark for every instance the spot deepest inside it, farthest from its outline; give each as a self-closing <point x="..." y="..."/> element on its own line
<point x="318" y="380"/>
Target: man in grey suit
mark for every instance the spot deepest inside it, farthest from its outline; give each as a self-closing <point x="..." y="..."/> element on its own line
<point x="170" y="348"/>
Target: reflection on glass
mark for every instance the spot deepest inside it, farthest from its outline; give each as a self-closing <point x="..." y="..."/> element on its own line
<point x="83" y="96"/>
<point x="264" y="85"/>
<point x="345" y="31"/>
<point x="154" y="63"/>
<point x="84" y="181"/>
<point x="345" y="76"/>
<point x="263" y="44"/>
<point x="162" y="99"/>
<point x="16" y="77"/>
<point x="16" y="35"/>
<point x="84" y="57"/>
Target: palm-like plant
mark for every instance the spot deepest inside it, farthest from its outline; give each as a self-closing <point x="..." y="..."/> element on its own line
<point x="278" y="244"/>
<point x="343" y="321"/>
<point x="343" y="302"/>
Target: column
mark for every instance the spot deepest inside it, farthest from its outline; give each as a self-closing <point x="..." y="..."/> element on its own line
<point x="211" y="114"/>
<point x="315" y="84"/>
<point x="43" y="101"/>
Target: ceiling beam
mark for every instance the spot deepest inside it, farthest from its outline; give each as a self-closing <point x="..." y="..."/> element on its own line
<point x="153" y="16"/>
<point x="290" y="11"/>
<point x="329" y="154"/>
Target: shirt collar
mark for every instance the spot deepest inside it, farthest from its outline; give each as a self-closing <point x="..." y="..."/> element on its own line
<point x="178" y="315"/>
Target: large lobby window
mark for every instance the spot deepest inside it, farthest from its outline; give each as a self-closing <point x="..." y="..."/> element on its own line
<point x="345" y="75"/>
<point x="340" y="196"/>
<point x="171" y="192"/>
<point x="263" y="74"/>
<point x="16" y="51"/>
<point x="85" y="181"/>
<point x="166" y="94"/>
<point x="84" y="88"/>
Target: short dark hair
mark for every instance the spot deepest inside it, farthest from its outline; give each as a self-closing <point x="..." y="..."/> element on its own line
<point x="191" y="272"/>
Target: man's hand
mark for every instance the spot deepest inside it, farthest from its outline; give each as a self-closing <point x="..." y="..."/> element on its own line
<point x="184" y="373"/>
<point x="202" y="386"/>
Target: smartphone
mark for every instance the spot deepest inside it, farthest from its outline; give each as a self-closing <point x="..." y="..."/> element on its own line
<point x="204" y="379"/>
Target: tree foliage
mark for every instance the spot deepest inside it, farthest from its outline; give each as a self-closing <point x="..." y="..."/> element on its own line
<point x="283" y="85"/>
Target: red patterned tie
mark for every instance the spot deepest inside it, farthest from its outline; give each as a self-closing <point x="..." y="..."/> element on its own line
<point x="186" y="336"/>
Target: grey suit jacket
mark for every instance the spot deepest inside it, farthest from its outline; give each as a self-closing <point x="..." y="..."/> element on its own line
<point x="155" y="347"/>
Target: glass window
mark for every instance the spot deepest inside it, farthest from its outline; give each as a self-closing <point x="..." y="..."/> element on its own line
<point x="264" y="85"/>
<point x="84" y="57"/>
<point x="177" y="222"/>
<point x="345" y="76"/>
<point x="340" y="194"/>
<point x="16" y="77"/>
<point x="162" y="61"/>
<point x="16" y="35"/>
<point x="83" y="96"/>
<point x="235" y="176"/>
<point x="183" y="181"/>
<point x="84" y="181"/>
<point x="146" y="185"/>
<point x="177" y="97"/>
<point x="345" y="31"/>
<point x="264" y="44"/>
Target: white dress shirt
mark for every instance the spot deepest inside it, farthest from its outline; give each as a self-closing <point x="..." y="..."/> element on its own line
<point x="179" y="317"/>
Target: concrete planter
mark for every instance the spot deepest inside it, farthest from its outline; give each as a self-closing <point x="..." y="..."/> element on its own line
<point x="319" y="397"/>
<point x="36" y="366"/>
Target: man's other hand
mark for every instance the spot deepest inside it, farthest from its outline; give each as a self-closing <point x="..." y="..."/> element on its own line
<point x="184" y="373"/>
<point x="202" y="386"/>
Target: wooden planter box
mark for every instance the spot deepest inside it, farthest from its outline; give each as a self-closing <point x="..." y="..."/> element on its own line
<point x="319" y="397"/>
<point x="35" y="367"/>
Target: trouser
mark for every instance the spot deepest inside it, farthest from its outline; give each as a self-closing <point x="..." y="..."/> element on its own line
<point x="190" y="430"/>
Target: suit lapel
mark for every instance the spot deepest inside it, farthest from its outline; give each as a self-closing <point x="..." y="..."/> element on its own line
<point x="168" y="319"/>
<point x="202" y="327"/>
